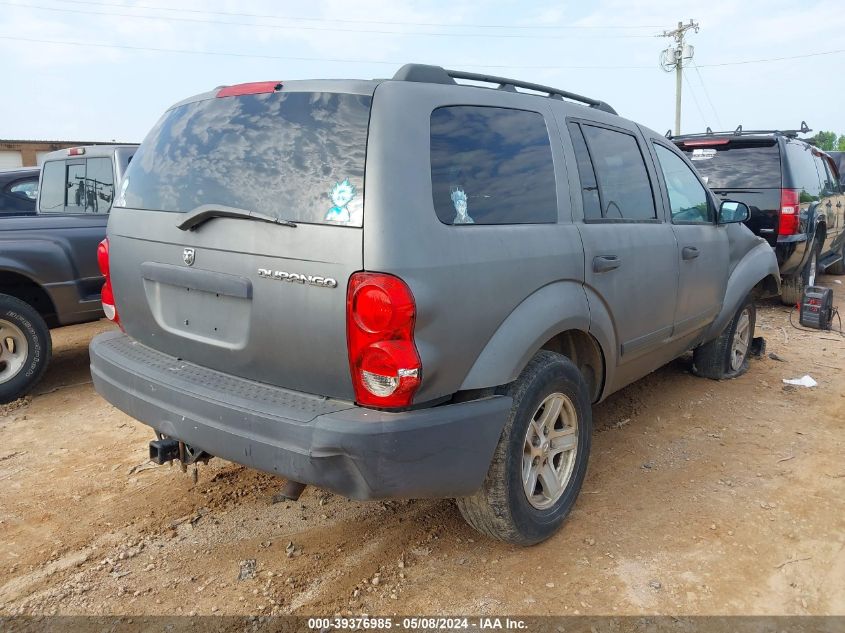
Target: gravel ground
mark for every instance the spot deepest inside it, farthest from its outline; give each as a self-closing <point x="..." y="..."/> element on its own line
<point x="701" y="498"/>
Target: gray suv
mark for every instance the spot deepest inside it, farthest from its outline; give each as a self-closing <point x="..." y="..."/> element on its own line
<point x="413" y="287"/>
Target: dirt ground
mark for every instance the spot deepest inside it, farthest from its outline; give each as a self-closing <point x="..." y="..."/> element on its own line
<point x="701" y="498"/>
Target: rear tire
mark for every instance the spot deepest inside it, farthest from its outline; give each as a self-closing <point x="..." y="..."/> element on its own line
<point x="727" y="356"/>
<point x="792" y="288"/>
<point x="547" y="438"/>
<point x="25" y="348"/>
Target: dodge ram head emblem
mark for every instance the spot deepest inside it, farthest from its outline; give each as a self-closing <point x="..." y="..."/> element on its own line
<point x="188" y="256"/>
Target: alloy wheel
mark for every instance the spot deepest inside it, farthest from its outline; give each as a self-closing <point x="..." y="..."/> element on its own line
<point x="548" y="457"/>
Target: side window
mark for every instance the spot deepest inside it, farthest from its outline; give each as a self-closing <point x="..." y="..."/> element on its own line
<point x="624" y="186"/>
<point x="53" y="187"/>
<point x="99" y="181"/>
<point x="491" y="166"/>
<point x="687" y="197"/>
<point x="829" y="184"/>
<point x="27" y="189"/>
<point x="803" y="174"/>
<point x="586" y="174"/>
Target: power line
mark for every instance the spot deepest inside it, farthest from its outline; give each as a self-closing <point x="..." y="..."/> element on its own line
<point x="349" y="21"/>
<point x="707" y="93"/>
<point x="377" y="61"/>
<point x="318" y="28"/>
<point x="301" y="59"/>
<point x="773" y="59"/>
<point x="695" y="100"/>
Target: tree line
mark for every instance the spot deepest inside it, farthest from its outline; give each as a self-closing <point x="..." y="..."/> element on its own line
<point x="828" y="141"/>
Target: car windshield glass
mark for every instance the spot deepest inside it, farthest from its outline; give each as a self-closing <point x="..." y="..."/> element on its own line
<point x="293" y="156"/>
<point x="737" y="165"/>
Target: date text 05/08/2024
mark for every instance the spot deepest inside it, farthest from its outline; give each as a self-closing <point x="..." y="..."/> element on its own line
<point x="415" y="623"/>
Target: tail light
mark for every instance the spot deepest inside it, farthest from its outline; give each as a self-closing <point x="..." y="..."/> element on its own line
<point x="107" y="295"/>
<point x="383" y="359"/>
<point x="790" y="212"/>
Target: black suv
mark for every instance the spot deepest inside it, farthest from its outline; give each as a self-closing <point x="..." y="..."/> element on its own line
<point x="18" y="191"/>
<point x="793" y="191"/>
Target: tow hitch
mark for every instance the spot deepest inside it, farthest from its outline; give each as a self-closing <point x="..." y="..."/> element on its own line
<point x="165" y="450"/>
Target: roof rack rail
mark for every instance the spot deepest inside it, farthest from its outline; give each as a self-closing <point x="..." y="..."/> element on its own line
<point x="804" y="129"/>
<point x="425" y="73"/>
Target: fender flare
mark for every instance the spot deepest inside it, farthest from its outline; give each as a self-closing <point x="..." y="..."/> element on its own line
<point x="555" y="308"/>
<point x="758" y="264"/>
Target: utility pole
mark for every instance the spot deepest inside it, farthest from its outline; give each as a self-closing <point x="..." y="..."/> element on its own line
<point x="673" y="59"/>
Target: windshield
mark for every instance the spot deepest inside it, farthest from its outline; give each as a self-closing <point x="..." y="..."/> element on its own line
<point x="293" y="156"/>
<point x="734" y="165"/>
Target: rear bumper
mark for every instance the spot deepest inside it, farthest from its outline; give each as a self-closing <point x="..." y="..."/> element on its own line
<point x="360" y="453"/>
<point x="792" y="252"/>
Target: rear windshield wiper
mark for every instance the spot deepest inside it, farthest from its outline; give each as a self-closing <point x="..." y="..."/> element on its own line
<point x="206" y="212"/>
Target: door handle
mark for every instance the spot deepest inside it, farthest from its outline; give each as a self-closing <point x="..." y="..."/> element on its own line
<point x="689" y="252"/>
<point x="605" y="263"/>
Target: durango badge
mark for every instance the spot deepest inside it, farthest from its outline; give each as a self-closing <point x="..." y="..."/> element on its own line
<point x="188" y="256"/>
<point x="311" y="280"/>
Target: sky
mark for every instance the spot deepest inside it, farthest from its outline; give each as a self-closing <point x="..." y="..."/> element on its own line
<point x="102" y="70"/>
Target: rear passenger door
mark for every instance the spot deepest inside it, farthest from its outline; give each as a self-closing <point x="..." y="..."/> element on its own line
<point x="630" y="251"/>
<point x="702" y="244"/>
<point x="834" y="205"/>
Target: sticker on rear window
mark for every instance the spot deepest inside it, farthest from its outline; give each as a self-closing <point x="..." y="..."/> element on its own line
<point x="703" y="154"/>
<point x="459" y="199"/>
<point x="341" y="195"/>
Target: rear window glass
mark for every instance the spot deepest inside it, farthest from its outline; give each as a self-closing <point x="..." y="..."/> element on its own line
<point x="491" y="166"/>
<point x="737" y="165"/>
<point x="295" y="156"/>
<point x="77" y="186"/>
<point x="802" y="171"/>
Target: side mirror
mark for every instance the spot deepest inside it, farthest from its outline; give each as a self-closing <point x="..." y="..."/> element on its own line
<point x="731" y="212"/>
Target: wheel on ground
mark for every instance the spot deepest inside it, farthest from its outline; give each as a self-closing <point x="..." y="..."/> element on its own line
<point x="727" y="355"/>
<point x="541" y="459"/>
<point x="25" y="348"/>
<point x="792" y="288"/>
<point x="839" y="267"/>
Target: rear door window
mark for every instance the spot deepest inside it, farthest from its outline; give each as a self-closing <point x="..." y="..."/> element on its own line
<point x="491" y="166"/>
<point x="729" y="164"/>
<point x="292" y="155"/>
<point x="624" y="186"/>
<point x="586" y="174"/>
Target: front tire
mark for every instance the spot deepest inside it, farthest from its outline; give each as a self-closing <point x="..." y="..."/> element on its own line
<point x="727" y="356"/>
<point x="25" y="348"/>
<point x="541" y="459"/>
